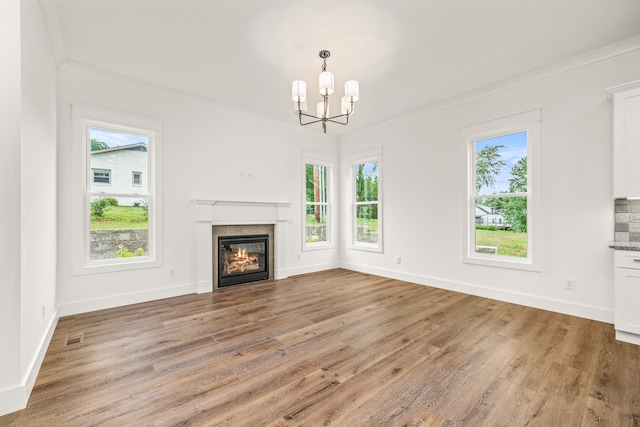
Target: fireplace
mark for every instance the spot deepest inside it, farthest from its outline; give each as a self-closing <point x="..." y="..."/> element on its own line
<point x="219" y="218"/>
<point x="242" y="259"/>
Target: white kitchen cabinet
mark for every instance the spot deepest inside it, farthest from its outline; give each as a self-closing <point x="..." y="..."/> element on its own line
<point x="627" y="295"/>
<point x="626" y="140"/>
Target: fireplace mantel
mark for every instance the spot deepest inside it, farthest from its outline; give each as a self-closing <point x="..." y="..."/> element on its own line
<point x="233" y="212"/>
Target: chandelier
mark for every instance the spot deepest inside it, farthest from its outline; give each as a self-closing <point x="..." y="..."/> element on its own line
<point x="299" y="95"/>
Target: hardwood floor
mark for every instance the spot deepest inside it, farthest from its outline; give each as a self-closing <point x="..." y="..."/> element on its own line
<point x="333" y="348"/>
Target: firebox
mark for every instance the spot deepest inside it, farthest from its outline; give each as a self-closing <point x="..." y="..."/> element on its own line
<point x="242" y="259"/>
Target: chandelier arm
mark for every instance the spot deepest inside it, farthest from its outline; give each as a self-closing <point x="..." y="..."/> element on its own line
<point x="308" y="115"/>
<point x="339" y="123"/>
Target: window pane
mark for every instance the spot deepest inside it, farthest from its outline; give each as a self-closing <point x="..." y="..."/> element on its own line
<point x="367" y="223"/>
<point x="316" y="179"/>
<point x="501" y="226"/>
<point x="137" y="178"/>
<point x="366" y="182"/>
<point x="119" y="227"/>
<point x="316" y="223"/>
<point x="101" y="176"/>
<point x="501" y="164"/>
<point x="120" y="155"/>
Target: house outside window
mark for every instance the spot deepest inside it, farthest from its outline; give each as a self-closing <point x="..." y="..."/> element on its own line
<point x="501" y="200"/>
<point x="119" y="220"/>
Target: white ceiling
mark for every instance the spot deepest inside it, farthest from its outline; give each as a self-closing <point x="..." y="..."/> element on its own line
<point x="407" y="54"/>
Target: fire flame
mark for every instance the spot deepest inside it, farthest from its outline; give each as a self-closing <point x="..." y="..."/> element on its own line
<point x="242" y="254"/>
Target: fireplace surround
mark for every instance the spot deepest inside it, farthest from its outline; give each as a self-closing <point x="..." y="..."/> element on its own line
<point x="238" y="218"/>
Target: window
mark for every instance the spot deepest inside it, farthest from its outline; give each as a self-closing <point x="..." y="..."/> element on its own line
<point x="136" y="178"/>
<point x="118" y="218"/>
<point x="500" y="201"/>
<point x="101" y="176"/>
<point x="317" y="212"/>
<point x="366" y="208"/>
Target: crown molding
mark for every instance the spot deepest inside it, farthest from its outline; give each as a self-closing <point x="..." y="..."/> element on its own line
<point x="73" y="67"/>
<point x="573" y="63"/>
<point x="49" y="12"/>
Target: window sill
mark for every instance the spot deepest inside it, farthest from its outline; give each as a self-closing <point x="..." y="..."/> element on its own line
<point x="108" y="266"/>
<point x="504" y="262"/>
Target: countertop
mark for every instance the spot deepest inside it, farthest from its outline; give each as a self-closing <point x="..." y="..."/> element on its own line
<point x="625" y="246"/>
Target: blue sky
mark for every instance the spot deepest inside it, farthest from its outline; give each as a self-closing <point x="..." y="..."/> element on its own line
<point x="116" y="139"/>
<point x="515" y="148"/>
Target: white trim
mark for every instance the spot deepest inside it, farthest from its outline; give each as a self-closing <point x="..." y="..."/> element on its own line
<point x="600" y="314"/>
<point x="627" y="337"/>
<point x="296" y="271"/>
<point x="597" y="55"/>
<point x="77" y="68"/>
<point x="89" y="305"/>
<point x="210" y="212"/>
<point x="329" y="163"/>
<point x="365" y="156"/>
<point x="528" y="121"/>
<point x="49" y="11"/>
<point x="83" y="118"/>
<point x="15" y="399"/>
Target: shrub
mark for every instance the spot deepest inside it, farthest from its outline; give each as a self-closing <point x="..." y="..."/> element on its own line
<point x="97" y="207"/>
<point x="145" y="206"/>
<point x="126" y="253"/>
<point x="110" y="201"/>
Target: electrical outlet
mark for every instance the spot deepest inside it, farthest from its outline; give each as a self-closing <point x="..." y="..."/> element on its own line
<point x="569" y="285"/>
<point x="172" y="272"/>
<point x="43" y="309"/>
<point x="398" y="260"/>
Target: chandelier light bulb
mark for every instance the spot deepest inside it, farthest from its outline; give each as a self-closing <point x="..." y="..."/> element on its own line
<point x="347" y="107"/>
<point x="320" y="113"/>
<point x="299" y="90"/>
<point x="326" y="83"/>
<point x="352" y="90"/>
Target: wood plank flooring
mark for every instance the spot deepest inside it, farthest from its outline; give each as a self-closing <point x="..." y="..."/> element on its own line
<point x="336" y="348"/>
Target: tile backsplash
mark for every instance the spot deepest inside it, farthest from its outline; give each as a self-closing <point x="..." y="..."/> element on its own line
<point x="627" y="224"/>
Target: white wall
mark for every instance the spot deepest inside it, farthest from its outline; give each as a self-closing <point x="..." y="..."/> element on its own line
<point x="209" y="153"/>
<point x="28" y="219"/>
<point x="422" y="173"/>
<point x="10" y="374"/>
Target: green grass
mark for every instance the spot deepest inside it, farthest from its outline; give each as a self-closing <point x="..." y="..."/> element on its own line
<point x="311" y="220"/>
<point x="372" y="224"/>
<point x="509" y="243"/>
<point x="120" y="217"/>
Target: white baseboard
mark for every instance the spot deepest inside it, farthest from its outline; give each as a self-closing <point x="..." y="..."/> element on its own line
<point x="311" y="268"/>
<point x="579" y="310"/>
<point x="77" y="307"/>
<point x="15" y="399"/>
<point x="627" y="337"/>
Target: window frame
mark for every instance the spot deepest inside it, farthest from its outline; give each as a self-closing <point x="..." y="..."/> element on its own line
<point x="83" y="119"/>
<point x="529" y="122"/>
<point x="325" y="161"/>
<point x="93" y="177"/>
<point x="357" y="159"/>
<point x="133" y="179"/>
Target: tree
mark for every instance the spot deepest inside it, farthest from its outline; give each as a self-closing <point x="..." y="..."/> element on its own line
<point x="515" y="208"/>
<point x="367" y="189"/>
<point x="488" y="166"/>
<point x="98" y="145"/>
